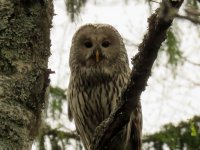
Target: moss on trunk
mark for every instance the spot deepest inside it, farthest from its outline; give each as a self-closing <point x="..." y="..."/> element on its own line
<point x="24" y="51"/>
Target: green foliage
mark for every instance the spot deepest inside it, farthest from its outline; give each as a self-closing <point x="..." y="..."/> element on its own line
<point x="74" y="7"/>
<point x="185" y="135"/>
<point x="57" y="98"/>
<point x="193" y="129"/>
<point x="173" y="52"/>
<point x="59" y="137"/>
<point x="171" y="49"/>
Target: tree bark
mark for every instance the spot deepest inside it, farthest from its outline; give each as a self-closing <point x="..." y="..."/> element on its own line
<point x="24" y="51"/>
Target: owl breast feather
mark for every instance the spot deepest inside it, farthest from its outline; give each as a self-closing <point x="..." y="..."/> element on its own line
<point x="91" y="100"/>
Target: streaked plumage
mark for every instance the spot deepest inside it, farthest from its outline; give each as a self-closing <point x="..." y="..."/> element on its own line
<point x="99" y="73"/>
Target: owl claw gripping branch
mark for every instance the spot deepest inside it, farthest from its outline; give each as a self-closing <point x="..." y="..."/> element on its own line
<point x="99" y="72"/>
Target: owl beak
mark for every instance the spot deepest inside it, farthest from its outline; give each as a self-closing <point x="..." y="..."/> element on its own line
<point x="97" y="56"/>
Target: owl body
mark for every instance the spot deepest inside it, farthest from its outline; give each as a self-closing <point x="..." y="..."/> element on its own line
<point x="99" y="72"/>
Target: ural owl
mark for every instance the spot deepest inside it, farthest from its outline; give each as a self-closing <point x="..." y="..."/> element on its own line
<point x="99" y="72"/>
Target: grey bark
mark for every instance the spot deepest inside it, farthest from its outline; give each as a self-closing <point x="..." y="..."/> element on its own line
<point x="24" y="51"/>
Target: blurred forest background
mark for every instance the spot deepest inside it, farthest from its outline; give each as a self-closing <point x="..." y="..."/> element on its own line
<point x="171" y="107"/>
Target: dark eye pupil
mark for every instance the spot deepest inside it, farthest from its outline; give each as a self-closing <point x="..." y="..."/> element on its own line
<point x="106" y="44"/>
<point x="88" y="44"/>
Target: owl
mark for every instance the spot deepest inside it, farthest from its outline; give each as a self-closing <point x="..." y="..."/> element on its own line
<point x="99" y="73"/>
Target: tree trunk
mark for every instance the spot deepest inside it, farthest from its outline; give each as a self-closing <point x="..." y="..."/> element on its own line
<point x="24" y="51"/>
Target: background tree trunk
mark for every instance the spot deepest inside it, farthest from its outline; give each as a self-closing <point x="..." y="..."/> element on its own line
<point x="24" y="51"/>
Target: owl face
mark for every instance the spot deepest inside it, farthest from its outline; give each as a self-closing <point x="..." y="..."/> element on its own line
<point x="97" y="46"/>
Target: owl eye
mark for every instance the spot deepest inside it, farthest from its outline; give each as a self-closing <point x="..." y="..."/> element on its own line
<point x="105" y="44"/>
<point x="88" y="44"/>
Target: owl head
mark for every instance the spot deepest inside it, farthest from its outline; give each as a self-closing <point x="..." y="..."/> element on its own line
<point x="97" y="48"/>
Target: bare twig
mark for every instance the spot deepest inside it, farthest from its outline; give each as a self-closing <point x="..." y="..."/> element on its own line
<point x="46" y="130"/>
<point x="191" y="81"/>
<point x="193" y="20"/>
<point x="63" y="134"/>
<point x="154" y="1"/>
<point x="193" y="12"/>
<point x="191" y="62"/>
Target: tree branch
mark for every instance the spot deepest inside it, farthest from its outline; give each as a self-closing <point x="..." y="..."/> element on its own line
<point x="159" y="22"/>
<point x="46" y="130"/>
<point x="191" y="62"/>
<point x="63" y="134"/>
<point x="193" y="20"/>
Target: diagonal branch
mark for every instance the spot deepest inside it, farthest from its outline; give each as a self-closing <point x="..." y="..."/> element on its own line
<point x="159" y="22"/>
<point x="192" y="19"/>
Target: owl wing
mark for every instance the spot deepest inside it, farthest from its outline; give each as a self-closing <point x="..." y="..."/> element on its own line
<point x="69" y="98"/>
<point x="70" y="113"/>
<point x="134" y="130"/>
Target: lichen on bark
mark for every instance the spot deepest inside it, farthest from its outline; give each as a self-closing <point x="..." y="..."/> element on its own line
<point x="24" y="51"/>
